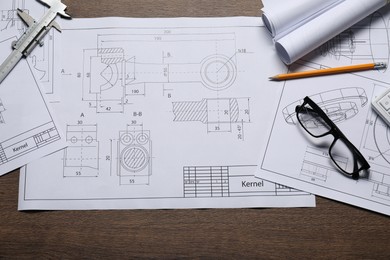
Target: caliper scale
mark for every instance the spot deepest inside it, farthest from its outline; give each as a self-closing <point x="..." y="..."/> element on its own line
<point x="34" y="34"/>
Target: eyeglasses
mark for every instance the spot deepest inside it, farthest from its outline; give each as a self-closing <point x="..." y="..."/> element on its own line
<point x="342" y="152"/>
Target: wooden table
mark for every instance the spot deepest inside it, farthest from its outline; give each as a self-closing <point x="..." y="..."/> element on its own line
<point x="331" y="230"/>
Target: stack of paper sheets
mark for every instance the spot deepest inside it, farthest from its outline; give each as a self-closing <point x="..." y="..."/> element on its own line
<point x="300" y="26"/>
<point x="179" y="113"/>
<point x="308" y="166"/>
<point x="28" y="128"/>
<point x="157" y="113"/>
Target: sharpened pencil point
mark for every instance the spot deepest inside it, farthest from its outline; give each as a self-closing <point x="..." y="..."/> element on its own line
<point x="272" y="78"/>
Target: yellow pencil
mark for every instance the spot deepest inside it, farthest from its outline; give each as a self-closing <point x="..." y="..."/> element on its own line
<point x="321" y="72"/>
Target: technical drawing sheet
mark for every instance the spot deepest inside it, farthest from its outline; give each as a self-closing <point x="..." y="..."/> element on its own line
<point x="41" y="60"/>
<point x="28" y="130"/>
<point x="160" y="113"/>
<point x="346" y="99"/>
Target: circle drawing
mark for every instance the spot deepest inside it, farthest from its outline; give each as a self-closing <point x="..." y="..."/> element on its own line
<point x="380" y="130"/>
<point x="134" y="158"/>
<point x="89" y="139"/>
<point x="142" y="138"/>
<point x="73" y="139"/>
<point x="126" y="139"/>
<point x="218" y="72"/>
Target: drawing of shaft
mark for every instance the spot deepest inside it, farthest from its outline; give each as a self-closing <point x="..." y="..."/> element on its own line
<point x="216" y="72"/>
<point x="207" y="111"/>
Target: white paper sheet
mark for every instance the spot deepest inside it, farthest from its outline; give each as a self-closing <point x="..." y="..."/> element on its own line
<point x="306" y="165"/>
<point x="28" y="130"/>
<point x="315" y="32"/>
<point x="281" y="17"/>
<point x="160" y="113"/>
<point x="41" y="60"/>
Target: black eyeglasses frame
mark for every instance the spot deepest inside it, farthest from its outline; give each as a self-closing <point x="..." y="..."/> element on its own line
<point x="337" y="134"/>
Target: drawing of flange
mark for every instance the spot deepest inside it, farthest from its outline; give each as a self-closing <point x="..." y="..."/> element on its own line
<point x="218" y="72"/>
<point x="339" y="112"/>
<point x="338" y="104"/>
<point x="381" y="130"/>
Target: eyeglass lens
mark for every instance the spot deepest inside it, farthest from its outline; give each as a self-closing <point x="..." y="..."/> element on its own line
<point x="341" y="153"/>
<point x="312" y="122"/>
<point x="344" y="157"/>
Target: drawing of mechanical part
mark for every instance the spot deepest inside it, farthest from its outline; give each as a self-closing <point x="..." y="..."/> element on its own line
<point x="41" y="59"/>
<point x="134" y="157"/>
<point x="219" y="114"/>
<point x="81" y="157"/>
<point x="382" y="133"/>
<point x="340" y="105"/>
<point x="352" y="47"/>
<point x="316" y="166"/>
<point x="172" y="58"/>
<point x="216" y="72"/>
<point x="381" y="188"/>
<point x="111" y="76"/>
<point x="2" y="109"/>
<point x="380" y="175"/>
<point x="10" y="17"/>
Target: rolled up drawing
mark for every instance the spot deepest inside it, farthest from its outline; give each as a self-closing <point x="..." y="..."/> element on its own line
<point x="281" y="18"/>
<point x="317" y="27"/>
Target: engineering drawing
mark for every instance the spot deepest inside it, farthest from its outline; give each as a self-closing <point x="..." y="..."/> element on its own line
<point x="358" y="45"/>
<point x="377" y="130"/>
<point x="123" y="73"/>
<point x="316" y="163"/>
<point x="27" y="142"/>
<point x="219" y="114"/>
<point x="2" y="109"/>
<point x="316" y="167"/>
<point x="81" y="157"/>
<point x="122" y="80"/>
<point x="340" y="104"/>
<point x="41" y="59"/>
<point x="376" y="144"/>
<point x="381" y="129"/>
<point x="381" y="187"/>
<point x="134" y="156"/>
<point x="228" y="181"/>
<point x="10" y="19"/>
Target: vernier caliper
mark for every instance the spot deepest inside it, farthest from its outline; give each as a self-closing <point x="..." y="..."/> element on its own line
<point x="34" y="34"/>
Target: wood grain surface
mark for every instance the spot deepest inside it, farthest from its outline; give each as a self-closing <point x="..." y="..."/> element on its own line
<point x="332" y="230"/>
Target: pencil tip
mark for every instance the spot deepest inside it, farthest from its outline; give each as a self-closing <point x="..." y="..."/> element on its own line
<point x="274" y="78"/>
<point x="380" y="65"/>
